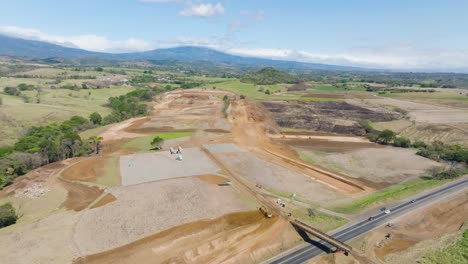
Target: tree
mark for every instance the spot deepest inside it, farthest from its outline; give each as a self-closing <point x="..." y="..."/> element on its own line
<point x="95" y="118"/>
<point x="95" y="143"/>
<point x="402" y="142"/>
<point x="242" y="96"/>
<point x="225" y="98"/>
<point x="386" y="136"/>
<point x="11" y="91"/>
<point x="157" y="142"/>
<point x="267" y="91"/>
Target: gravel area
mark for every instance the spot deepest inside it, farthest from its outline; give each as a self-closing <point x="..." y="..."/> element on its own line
<point x="46" y="241"/>
<point x="222" y="148"/>
<point x="145" y="209"/>
<point x="278" y="178"/>
<point x="155" y="166"/>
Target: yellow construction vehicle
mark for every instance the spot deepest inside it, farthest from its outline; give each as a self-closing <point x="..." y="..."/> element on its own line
<point x="265" y="212"/>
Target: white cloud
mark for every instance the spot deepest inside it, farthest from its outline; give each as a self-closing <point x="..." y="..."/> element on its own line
<point x="390" y="57"/>
<point x="88" y="42"/>
<point x="159" y="1"/>
<point x="397" y="56"/>
<point x="203" y="10"/>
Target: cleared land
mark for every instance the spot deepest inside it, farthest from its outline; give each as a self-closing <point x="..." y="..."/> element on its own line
<point x="145" y="209"/>
<point x="335" y="117"/>
<point x="384" y="165"/>
<point x="147" y="167"/>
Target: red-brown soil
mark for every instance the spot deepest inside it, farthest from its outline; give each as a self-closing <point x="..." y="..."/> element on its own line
<point x="234" y="237"/>
<point x="108" y="198"/>
<point x="79" y="196"/>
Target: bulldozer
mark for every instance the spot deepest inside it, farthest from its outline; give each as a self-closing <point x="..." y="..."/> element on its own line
<point x="265" y="212"/>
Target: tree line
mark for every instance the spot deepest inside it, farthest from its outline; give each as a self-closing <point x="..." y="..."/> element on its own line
<point x="42" y="145"/>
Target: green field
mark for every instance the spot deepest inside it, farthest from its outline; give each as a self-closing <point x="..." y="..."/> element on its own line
<point x="55" y="106"/>
<point x="248" y="89"/>
<point x="454" y="253"/>
<point x="143" y="143"/>
<point x="320" y="220"/>
<point x="390" y="194"/>
<point x="439" y="98"/>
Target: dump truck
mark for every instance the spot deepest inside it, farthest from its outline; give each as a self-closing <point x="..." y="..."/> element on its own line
<point x="265" y="212"/>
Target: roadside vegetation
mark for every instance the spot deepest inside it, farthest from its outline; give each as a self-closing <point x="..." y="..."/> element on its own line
<point x="323" y="221"/>
<point x="8" y="215"/>
<point x="455" y="253"/>
<point x="392" y="193"/>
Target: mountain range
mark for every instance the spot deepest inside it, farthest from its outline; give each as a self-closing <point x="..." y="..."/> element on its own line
<point x="17" y="47"/>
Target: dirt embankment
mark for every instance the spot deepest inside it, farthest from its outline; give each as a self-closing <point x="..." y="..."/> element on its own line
<point x="237" y="238"/>
<point x="335" y="117"/>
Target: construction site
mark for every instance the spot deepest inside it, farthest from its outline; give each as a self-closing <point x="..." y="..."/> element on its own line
<point x="232" y="188"/>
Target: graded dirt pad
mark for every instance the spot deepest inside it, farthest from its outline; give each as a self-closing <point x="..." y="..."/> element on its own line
<point x="79" y="196"/>
<point x="213" y="179"/>
<point x="447" y="133"/>
<point x="379" y="165"/>
<point x="82" y="171"/>
<point x="45" y="241"/>
<point x="416" y="234"/>
<point x="161" y="165"/>
<point x="277" y="178"/>
<point x="232" y="238"/>
<point x="108" y="198"/>
<point x="335" y="117"/>
<point x="145" y="209"/>
<point x="327" y="145"/>
<point x="425" y="113"/>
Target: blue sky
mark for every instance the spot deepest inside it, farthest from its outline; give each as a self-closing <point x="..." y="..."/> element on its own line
<point x="408" y="34"/>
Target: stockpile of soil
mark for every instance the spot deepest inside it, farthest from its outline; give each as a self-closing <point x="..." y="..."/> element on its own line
<point x="335" y="117"/>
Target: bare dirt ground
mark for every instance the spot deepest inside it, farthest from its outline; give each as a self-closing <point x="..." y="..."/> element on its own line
<point x="182" y="219"/>
<point x="142" y="210"/>
<point x="385" y="165"/>
<point x="147" y="167"/>
<point x="424" y="113"/>
<point x="414" y="235"/>
<point x="425" y="122"/>
<point x="232" y="238"/>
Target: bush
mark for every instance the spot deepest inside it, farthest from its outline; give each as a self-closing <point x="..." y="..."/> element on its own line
<point x="419" y="144"/>
<point x="450" y="174"/>
<point x="366" y="125"/>
<point x="11" y="91"/>
<point x="387" y="136"/>
<point x="242" y="96"/>
<point x="402" y="142"/>
<point x="95" y="118"/>
<point x="7" y="215"/>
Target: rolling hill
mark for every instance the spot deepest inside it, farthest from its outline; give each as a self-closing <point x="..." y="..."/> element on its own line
<point x="10" y="46"/>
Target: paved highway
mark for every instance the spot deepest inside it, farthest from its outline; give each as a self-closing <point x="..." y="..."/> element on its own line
<point x="309" y="251"/>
